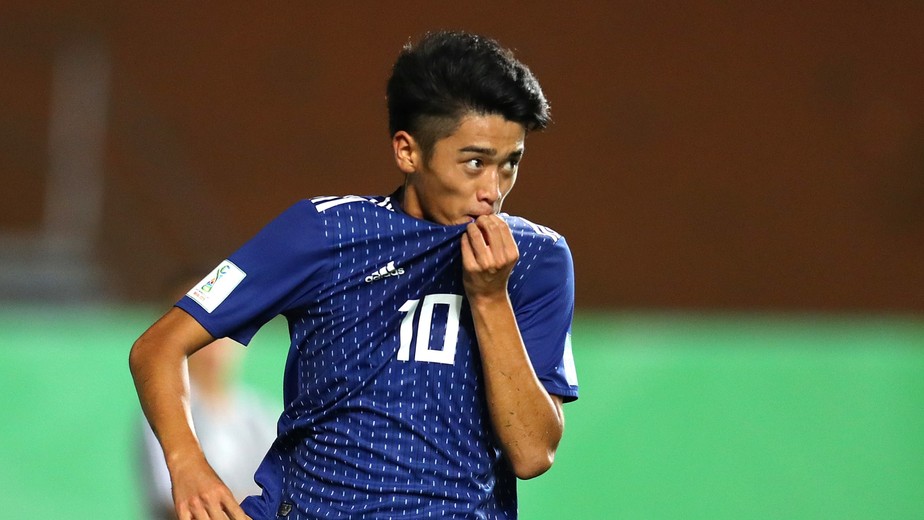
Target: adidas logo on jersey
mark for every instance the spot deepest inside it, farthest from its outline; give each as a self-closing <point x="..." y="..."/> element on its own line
<point x="385" y="272"/>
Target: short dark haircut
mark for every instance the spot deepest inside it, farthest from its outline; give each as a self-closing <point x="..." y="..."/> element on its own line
<point x="449" y="74"/>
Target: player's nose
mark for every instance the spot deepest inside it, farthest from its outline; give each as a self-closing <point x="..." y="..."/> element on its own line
<point x="489" y="189"/>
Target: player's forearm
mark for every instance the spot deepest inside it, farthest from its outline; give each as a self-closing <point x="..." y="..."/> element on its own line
<point x="526" y="419"/>
<point x="158" y="363"/>
<point x="164" y="397"/>
<point x="159" y="371"/>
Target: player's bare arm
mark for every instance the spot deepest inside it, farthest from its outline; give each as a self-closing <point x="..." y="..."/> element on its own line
<point x="527" y="420"/>
<point x="158" y="365"/>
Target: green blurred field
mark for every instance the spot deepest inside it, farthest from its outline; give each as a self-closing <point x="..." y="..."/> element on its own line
<point x="681" y="416"/>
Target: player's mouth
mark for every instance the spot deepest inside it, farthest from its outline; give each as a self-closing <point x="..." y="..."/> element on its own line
<point x="475" y="215"/>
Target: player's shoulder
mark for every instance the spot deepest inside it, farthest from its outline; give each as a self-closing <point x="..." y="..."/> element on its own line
<point x="544" y="263"/>
<point x="526" y="230"/>
<point x="319" y="212"/>
<point x="350" y="203"/>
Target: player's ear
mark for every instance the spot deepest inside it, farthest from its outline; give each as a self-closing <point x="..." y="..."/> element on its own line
<point x="407" y="153"/>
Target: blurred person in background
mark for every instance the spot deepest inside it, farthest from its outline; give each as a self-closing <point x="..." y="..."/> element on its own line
<point x="430" y="333"/>
<point x="234" y="424"/>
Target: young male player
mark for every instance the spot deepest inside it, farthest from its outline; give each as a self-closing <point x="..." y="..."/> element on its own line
<point x="430" y="351"/>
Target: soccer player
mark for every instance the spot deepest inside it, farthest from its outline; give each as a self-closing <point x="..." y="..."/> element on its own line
<point x="430" y="333"/>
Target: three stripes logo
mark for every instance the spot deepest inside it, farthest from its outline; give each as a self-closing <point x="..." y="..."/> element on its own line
<point x="385" y="272"/>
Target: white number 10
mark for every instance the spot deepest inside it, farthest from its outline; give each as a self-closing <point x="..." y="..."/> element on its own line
<point x="445" y="353"/>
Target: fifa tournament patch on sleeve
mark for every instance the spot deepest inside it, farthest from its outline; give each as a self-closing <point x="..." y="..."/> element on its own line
<point x="217" y="286"/>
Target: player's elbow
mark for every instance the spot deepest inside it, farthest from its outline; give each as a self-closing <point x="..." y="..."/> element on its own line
<point x="534" y="455"/>
<point x="532" y="465"/>
<point x="139" y="357"/>
<point x="136" y="358"/>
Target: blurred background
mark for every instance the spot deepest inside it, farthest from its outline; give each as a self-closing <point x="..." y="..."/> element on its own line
<point x="741" y="184"/>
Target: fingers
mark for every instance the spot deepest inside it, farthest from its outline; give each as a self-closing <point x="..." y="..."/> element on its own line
<point x="488" y="256"/>
<point x="196" y="510"/>
<point x="199" y="494"/>
<point x="490" y="243"/>
<point x="214" y="514"/>
<point x="190" y="511"/>
<point x="225" y="508"/>
<point x="238" y="514"/>
<point x="475" y="250"/>
<point x="498" y="235"/>
<point x="216" y="511"/>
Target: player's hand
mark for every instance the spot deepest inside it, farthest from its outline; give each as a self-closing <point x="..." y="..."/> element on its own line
<point x="488" y="256"/>
<point x="199" y="494"/>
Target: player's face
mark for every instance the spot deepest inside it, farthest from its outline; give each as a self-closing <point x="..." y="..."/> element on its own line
<point x="469" y="172"/>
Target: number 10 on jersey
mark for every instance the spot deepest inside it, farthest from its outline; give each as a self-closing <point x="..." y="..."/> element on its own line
<point x="444" y="349"/>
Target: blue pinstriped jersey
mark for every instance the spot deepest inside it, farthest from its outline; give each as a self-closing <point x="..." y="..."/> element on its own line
<point x="385" y="414"/>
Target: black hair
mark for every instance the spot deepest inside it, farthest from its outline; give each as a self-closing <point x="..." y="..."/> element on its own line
<point x="447" y="75"/>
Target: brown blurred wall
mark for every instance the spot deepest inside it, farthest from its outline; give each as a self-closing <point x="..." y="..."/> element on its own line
<point x="714" y="155"/>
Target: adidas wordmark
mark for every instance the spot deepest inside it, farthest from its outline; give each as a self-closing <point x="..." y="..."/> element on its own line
<point x="385" y="272"/>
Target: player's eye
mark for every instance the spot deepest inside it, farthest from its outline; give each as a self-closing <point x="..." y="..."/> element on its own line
<point x="475" y="164"/>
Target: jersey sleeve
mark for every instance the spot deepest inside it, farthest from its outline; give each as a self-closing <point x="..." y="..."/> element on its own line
<point x="544" y="307"/>
<point x="282" y="265"/>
